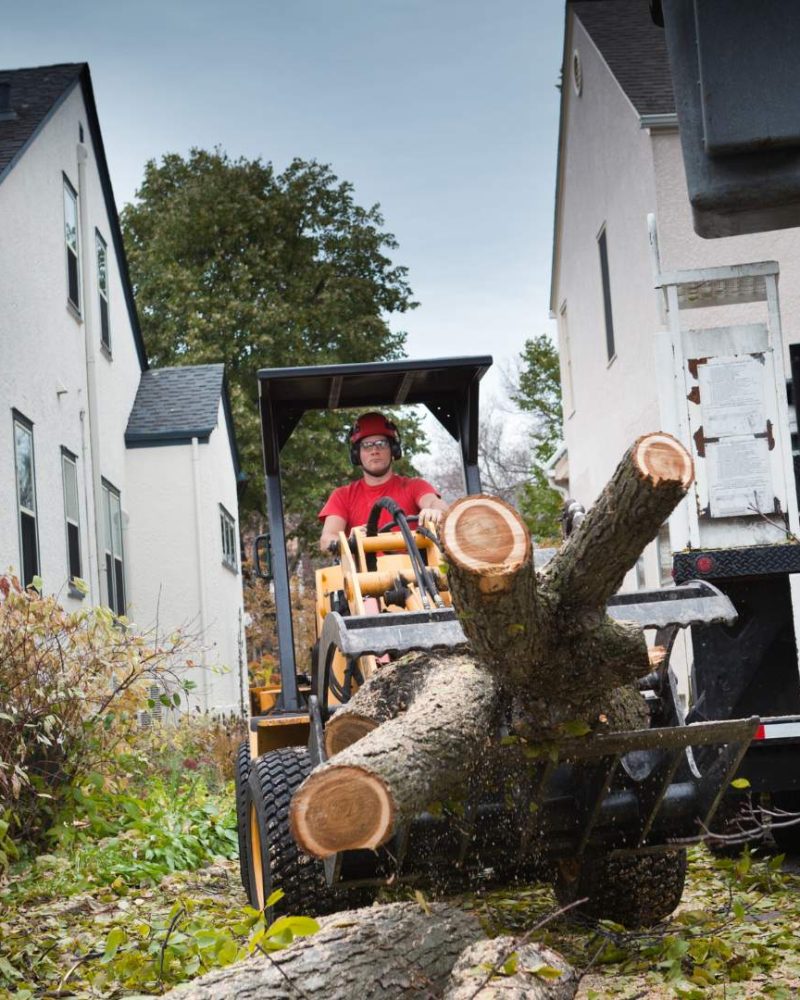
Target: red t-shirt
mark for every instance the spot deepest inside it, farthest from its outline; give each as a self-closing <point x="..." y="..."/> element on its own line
<point x="355" y="501"/>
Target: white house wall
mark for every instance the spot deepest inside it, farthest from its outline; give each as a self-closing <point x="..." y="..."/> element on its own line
<point x="43" y="374"/>
<point x="177" y="573"/>
<point x="607" y="179"/>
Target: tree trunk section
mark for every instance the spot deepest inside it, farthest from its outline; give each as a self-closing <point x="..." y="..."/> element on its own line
<point x="377" y="953"/>
<point x="387" y="694"/>
<point x="546" y="637"/>
<point x="427" y="754"/>
<point x="478" y="960"/>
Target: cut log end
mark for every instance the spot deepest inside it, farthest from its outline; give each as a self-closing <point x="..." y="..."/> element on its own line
<point x="662" y="458"/>
<point x="485" y="536"/>
<point x="342" y="731"/>
<point x="341" y="808"/>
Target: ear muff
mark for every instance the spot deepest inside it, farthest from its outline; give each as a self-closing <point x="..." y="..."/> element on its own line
<point x="389" y="429"/>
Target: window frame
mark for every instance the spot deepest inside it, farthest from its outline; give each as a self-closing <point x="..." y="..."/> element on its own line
<point x="103" y="300"/>
<point x="23" y="423"/>
<point x="114" y="562"/>
<point x="72" y="194"/>
<point x="605" y="280"/>
<point x="229" y="539"/>
<point x="68" y="458"/>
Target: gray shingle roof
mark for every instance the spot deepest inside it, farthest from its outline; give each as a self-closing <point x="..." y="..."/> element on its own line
<point x="33" y="94"/>
<point x="175" y="404"/>
<point x="634" y="48"/>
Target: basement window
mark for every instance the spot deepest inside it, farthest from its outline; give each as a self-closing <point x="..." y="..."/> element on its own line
<point x="71" y="242"/>
<point x="228" y="531"/>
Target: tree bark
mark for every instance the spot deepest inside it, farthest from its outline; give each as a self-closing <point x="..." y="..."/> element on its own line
<point x="469" y="975"/>
<point x="431" y="751"/>
<point x="388" y="952"/>
<point x="387" y="694"/>
<point x="546" y="637"/>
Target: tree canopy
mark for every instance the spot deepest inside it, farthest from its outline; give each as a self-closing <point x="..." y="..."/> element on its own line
<point x="538" y="392"/>
<point x="232" y="261"/>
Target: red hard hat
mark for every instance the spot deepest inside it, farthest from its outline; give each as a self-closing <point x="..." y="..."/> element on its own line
<point x="373" y="423"/>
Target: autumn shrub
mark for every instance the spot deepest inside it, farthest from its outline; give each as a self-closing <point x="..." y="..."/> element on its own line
<point x="70" y="687"/>
<point x="191" y="744"/>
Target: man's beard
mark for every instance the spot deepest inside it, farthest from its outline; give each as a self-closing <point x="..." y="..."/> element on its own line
<point x="380" y="472"/>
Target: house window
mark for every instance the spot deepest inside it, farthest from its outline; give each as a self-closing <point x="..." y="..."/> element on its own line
<point x="229" y="546"/>
<point x="112" y="542"/>
<point x="101" y="252"/>
<point x="26" y="498"/>
<point x="603" y="247"/>
<point x="71" y="241"/>
<point x="69" y="473"/>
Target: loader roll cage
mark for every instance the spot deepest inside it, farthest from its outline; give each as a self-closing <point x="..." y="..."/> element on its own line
<point x="448" y="387"/>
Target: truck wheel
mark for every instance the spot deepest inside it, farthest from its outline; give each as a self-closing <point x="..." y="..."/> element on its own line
<point x="241" y="775"/>
<point x="635" y="891"/>
<point x="787" y="837"/>
<point x="274" y="860"/>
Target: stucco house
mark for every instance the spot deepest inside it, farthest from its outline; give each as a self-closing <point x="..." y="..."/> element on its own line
<point x="110" y="473"/>
<point x="619" y="159"/>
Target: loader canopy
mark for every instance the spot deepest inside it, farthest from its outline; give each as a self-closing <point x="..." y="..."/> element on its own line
<point x="447" y="386"/>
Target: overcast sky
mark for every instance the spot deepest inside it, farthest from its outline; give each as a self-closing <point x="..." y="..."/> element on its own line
<point x="443" y="111"/>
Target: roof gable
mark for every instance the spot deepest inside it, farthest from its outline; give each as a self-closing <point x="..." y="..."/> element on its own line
<point x="175" y="404"/>
<point x="34" y="96"/>
<point x="634" y="49"/>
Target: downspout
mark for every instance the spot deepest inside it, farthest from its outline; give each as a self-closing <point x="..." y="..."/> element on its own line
<point x="201" y="576"/>
<point x="95" y="528"/>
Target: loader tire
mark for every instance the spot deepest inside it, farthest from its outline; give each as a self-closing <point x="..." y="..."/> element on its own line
<point x="635" y="891"/>
<point x="241" y="775"/>
<point x="274" y="859"/>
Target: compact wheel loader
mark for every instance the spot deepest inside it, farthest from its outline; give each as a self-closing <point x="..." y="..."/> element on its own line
<point x="612" y="812"/>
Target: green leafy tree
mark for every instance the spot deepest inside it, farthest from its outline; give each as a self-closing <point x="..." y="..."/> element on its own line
<point x="538" y="392"/>
<point x="233" y="262"/>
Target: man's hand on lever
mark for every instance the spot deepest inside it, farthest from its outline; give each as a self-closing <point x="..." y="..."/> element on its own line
<point x="430" y="517"/>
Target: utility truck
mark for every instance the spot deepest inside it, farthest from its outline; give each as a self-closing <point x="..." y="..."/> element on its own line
<point x="723" y="393"/>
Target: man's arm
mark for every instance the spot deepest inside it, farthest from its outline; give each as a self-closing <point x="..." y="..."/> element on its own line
<point x="431" y="508"/>
<point x="331" y="527"/>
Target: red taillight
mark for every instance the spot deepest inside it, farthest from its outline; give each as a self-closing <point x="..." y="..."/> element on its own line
<point x="704" y="564"/>
<point x="760" y="733"/>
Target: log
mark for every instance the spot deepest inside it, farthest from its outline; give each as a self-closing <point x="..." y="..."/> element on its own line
<point x="425" y="755"/>
<point x="477" y="962"/>
<point x="546" y="636"/>
<point x="542" y="642"/>
<point x="388" y="693"/>
<point x="389" y="952"/>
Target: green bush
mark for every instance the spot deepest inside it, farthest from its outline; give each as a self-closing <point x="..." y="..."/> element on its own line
<point x="70" y="686"/>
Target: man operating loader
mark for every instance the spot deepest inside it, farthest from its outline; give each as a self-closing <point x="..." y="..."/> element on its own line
<point x="374" y="445"/>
